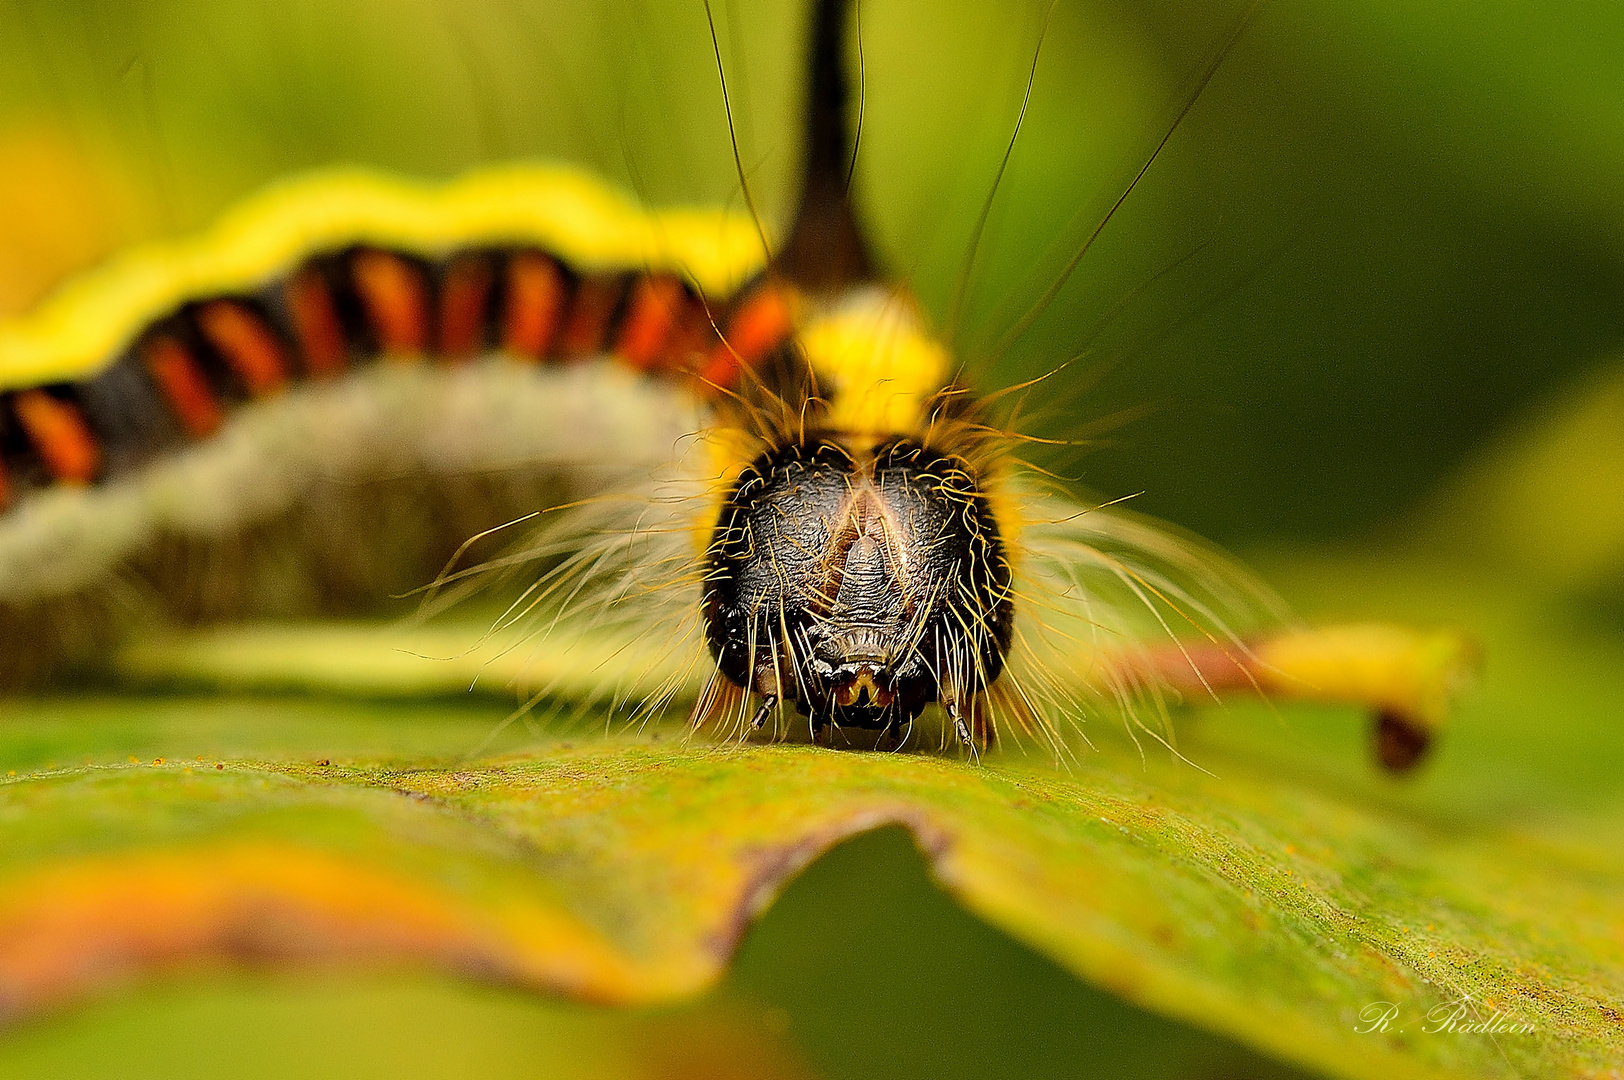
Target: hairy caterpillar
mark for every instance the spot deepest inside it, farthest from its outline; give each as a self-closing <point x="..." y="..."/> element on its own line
<point x="850" y="534"/>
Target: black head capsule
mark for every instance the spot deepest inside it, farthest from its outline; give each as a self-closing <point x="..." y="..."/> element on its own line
<point x="862" y="587"/>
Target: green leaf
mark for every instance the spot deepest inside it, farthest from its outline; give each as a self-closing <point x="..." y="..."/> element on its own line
<point x="1271" y="898"/>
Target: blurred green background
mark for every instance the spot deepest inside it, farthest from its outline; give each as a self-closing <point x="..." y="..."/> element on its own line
<point x="1385" y="228"/>
<point x="1369" y="295"/>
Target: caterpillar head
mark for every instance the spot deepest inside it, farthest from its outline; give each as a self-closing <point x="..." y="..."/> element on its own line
<point x="861" y="586"/>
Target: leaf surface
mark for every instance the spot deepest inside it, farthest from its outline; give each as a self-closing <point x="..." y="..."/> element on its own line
<point x="1271" y="898"/>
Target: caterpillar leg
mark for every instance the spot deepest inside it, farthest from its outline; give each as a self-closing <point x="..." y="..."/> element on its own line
<point x="972" y="724"/>
<point x="893" y="738"/>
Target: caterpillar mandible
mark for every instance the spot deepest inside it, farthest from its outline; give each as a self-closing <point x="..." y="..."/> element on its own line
<point x="846" y="532"/>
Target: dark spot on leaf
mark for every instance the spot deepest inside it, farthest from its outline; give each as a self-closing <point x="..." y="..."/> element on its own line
<point x="1400" y="742"/>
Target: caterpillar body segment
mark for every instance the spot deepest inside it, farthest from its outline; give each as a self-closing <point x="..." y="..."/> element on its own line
<point x="321" y="437"/>
<point x="155" y="348"/>
<point x="545" y="207"/>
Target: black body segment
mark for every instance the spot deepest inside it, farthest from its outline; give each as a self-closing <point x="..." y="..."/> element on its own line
<point x="862" y="587"/>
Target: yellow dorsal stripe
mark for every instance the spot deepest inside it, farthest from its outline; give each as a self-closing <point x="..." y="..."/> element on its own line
<point x="86" y="323"/>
